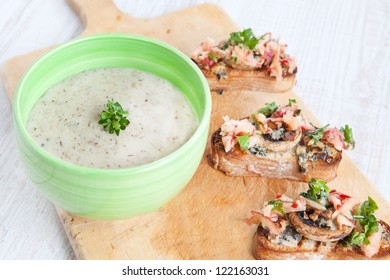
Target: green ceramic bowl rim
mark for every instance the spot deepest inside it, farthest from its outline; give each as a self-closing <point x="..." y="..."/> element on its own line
<point x="203" y="122"/>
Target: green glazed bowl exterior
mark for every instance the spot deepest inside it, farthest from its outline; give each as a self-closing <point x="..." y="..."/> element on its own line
<point x="112" y="193"/>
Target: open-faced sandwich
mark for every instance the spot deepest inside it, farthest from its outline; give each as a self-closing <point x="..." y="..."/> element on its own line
<point x="319" y="224"/>
<point x="279" y="142"/>
<point x="246" y="62"/>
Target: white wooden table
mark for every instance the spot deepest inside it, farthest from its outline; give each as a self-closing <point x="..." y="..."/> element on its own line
<point x="343" y="52"/>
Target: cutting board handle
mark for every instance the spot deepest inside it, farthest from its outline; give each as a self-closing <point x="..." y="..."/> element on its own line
<point x="94" y="12"/>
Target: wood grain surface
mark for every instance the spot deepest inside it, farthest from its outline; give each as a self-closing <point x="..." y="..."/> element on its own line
<point x="205" y="221"/>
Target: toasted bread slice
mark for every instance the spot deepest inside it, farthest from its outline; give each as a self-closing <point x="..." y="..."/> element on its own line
<point x="277" y="165"/>
<point x="244" y="61"/>
<point x="296" y="247"/>
<point x="251" y="80"/>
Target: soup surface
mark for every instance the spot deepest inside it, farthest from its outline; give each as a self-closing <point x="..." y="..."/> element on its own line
<point x="65" y="119"/>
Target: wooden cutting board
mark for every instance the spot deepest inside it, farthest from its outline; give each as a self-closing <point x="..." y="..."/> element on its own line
<point x="204" y="221"/>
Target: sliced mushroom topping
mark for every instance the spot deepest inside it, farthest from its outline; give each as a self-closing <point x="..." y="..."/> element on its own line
<point x="280" y="146"/>
<point x="314" y="231"/>
<point x="327" y="214"/>
<point x="313" y="216"/>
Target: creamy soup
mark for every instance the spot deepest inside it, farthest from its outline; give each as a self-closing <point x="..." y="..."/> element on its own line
<point x="65" y="119"/>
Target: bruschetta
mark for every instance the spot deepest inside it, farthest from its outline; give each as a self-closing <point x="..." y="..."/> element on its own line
<point x="246" y="62"/>
<point x="279" y="142"/>
<point x="319" y="224"/>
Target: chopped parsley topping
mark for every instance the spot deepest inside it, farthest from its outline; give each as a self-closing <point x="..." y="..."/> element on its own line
<point x="243" y="141"/>
<point x="212" y="57"/>
<point x="317" y="133"/>
<point x="291" y="101"/>
<point x="368" y="222"/>
<point x="318" y="191"/>
<point x="278" y="205"/>
<point x="245" y="37"/>
<point x="348" y="135"/>
<point x="268" y="109"/>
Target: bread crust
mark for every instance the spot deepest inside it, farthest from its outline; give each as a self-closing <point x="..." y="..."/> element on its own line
<point x="275" y="165"/>
<point x="308" y="249"/>
<point x="251" y="80"/>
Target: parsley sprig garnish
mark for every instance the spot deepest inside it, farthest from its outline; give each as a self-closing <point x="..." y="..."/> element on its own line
<point x="318" y="191"/>
<point x="317" y="134"/>
<point x="268" y="109"/>
<point x="114" y="118"/>
<point x="212" y="57"/>
<point x="348" y="135"/>
<point x="243" y="141"/>
<point x="368" y="222"/>
<point x="245" y="37"/>
<point x="291" y="102"/>
<point x="277" y="205"/>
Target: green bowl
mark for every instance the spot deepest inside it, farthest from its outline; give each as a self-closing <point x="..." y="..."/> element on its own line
<point x="112" y="193"/>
